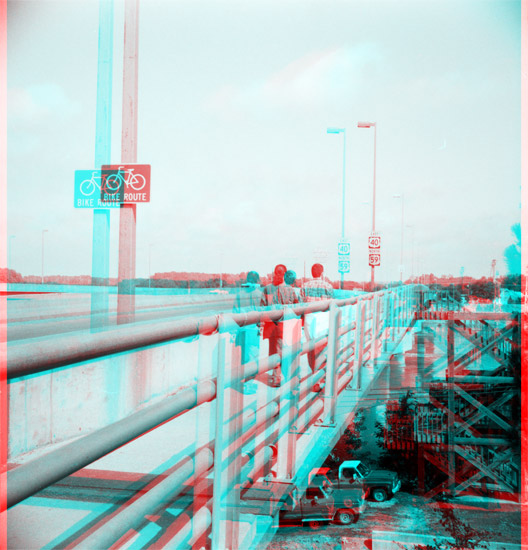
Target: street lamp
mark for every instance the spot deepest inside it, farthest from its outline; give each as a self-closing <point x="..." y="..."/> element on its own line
<point x="372" y="125"/>
<point x="150" y="254"/>
<point x="341" y="131"/>
<point x="401" y="243"/>
<point x="43" y="231"/>
<point x="412" y="249"/>
<point x="9" y="266"/>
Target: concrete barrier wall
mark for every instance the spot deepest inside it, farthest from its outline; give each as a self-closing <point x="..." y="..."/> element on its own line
<point x="59" y="405"/>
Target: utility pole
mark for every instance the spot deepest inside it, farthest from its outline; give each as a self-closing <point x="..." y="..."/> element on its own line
<point x="42" y="278"/>
<point x="103" y="137"/>
<point x="126" y="302"/>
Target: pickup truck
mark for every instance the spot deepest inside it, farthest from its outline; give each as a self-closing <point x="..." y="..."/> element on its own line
<point x="379" y="485"/>
<point x="324" y="502"/>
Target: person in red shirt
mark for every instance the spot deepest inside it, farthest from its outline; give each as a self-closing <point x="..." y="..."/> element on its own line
<point x="277" y="293"/>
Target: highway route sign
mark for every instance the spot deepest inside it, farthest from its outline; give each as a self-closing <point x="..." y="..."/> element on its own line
<point x="343" y="266"/>
<point x="343" y="248"/>
<point x="374" y="241"/>
<point x="374" y="260"/>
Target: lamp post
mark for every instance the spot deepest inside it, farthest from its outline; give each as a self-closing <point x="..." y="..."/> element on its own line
<point x="150" y="255"/>
<point x="341" y="131"/>
<point x="372" y="125"/>
<point x="402" y="197"/>
<point x="412" y="249"/>
<point x="9" y="266"/>
<point x="43" y="231"/>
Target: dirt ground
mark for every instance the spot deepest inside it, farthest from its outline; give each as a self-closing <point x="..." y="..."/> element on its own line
<point x="493" y="521"/>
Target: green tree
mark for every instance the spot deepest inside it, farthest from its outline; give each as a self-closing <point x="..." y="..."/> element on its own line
<point x="512" y="253"/>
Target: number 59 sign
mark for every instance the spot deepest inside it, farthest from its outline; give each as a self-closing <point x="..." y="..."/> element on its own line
<point x="374" y="260"/>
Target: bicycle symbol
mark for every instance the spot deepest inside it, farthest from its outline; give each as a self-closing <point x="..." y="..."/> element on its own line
<point x="112" y="183"/>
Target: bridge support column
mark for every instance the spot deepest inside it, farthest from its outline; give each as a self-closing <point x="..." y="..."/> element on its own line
<point x="227" y="456"/>
<point x="397" y="369"/>
<point x="418" y="361"/>
<point x="451" y="406"/>
<point x="289" y="402"/>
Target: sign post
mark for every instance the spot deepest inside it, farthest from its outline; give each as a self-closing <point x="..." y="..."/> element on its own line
<point x="103" y="134"/>
<point x="126" y="299"/>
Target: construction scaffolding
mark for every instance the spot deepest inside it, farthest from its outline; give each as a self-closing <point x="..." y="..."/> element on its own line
<point x="464" y="416"/>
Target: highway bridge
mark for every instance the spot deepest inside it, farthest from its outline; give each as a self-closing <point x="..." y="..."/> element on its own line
<point x="148" y="434"/>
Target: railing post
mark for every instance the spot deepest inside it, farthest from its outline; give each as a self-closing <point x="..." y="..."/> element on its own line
<point x="289" y="402"/>
<point x="360" y="336"/>
<point x="375" y="329"/>
<point x="345" y="339"/>
<point x="227" y="460"/>
<point x="392" y="307"/>
<point x="398" y="308"/>
<point x="385" y="317"/>
<point x="204" y="432"/>
<point x="330" y="390"/>
<point x="407" y="304"/>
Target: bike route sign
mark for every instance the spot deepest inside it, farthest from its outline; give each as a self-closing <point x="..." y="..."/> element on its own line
<point x="90" y="190"/>
<point x="131" y="179"/>
<point x="112" y="186"/>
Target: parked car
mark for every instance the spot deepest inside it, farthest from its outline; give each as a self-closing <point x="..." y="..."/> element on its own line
<point x="323" y="501"/>
<point x="379" y="485"/>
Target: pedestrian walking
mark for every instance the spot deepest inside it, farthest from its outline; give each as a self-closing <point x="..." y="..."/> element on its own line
<point x="248" y="336"/>
<point x="277" y="293"/>
<point x="314" y="290"/>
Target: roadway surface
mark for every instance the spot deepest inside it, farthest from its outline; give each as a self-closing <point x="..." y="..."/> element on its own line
<point x="39" y="314"/>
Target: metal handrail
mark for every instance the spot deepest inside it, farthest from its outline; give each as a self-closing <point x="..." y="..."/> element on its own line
<point x="30" y="357"/>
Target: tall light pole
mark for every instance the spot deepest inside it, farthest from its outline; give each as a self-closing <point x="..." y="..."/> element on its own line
<point x="43" y="231"/>
<point x="9" y="266"/>
<point x="150" y="255"/>
<point x="372" y="125"/>
<point x="401" y="238"/>
<point x="341" y="131"/>
<point x="126" y="271"/>
<point x="412" y="249"/>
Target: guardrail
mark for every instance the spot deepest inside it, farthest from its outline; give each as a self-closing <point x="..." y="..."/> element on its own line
<point x="248" y="443"/>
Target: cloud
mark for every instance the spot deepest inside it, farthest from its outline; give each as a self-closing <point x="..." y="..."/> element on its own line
<point x="310" y="81"/>
<point x="38" y="103"/>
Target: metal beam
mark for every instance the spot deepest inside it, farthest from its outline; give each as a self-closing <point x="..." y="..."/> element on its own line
<point x="482" y="408"/>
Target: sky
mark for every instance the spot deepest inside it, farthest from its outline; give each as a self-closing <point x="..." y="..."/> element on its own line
<point x="235" y="99"/>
